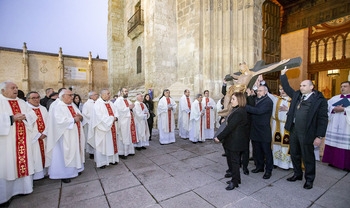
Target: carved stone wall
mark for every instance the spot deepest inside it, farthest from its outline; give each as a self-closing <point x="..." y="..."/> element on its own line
<point x="43" y="71"/>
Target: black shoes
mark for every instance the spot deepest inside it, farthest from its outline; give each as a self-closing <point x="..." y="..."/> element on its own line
<point x="231" y="186"/>
<point x="308" y="185"/>
<point x="116" y="163"/>
<point x="239" y="181"/>
<point x="257" y="170"/>
<point x="228" y="175"/>
<point x="224" y="155"/>
<point x="66" y="180"/>
<point x="103" y="167"/>
<point x="123" y="157"/>
<point x="143" y="148"/>
<point x="267" y="175"/>
<point x="245" y="171"/>
<point x="138" y="148"/>
<point x="294" y="178"/>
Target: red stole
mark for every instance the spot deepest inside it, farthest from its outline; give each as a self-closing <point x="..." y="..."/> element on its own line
<point x="142" y="107"/>
<point x="208" y="113"/>
<point x="169" y="114"/>
<point x="41" y="127"/>
<point x="189" y="106"/>
<point x="21" y="143"/>
<point x="113" y="129"/>
<point x="200" y="109"/>
<point x="71" y="109"/>
<point x="132" y="125"/>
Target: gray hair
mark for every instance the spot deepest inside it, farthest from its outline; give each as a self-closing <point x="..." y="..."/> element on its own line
<point x="90" y="93"/>
<point x="3" y="85"/>
<point x="103" y="91"/>
<point x="62" y="93"/>
<point x="31" y="92"/>
<point x="265" y="88"/>
<point x="199" y="95"/>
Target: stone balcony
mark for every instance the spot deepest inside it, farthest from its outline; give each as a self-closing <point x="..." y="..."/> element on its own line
<point x="136" y="24"/>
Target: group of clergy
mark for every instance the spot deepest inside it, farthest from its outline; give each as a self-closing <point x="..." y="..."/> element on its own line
<point x="35" y="142"/>
<point x="196" y="118"/>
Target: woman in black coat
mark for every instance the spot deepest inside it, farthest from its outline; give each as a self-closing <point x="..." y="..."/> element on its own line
<point x="149" y="103"/>
<point x="235" y="136"/>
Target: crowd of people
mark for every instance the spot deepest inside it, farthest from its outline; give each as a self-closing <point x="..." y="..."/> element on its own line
<point x="50" y="136"/>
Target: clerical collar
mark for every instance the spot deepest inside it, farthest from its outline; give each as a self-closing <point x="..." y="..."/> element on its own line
<point x="345" y="96"/>
<point x="32" y="106"/>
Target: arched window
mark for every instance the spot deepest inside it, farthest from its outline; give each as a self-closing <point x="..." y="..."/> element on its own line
<point x="138" y="60"/>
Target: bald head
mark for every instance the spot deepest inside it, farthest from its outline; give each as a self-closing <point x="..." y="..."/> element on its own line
<point x="306" y="87"/>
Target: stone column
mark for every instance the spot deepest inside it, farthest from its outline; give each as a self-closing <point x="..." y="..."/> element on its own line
<point x="25" y="62"/>
<point x="60" y="69"/>
<point x="90" y="70"/>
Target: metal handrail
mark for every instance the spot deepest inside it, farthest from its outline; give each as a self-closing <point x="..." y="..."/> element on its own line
<point x="135" y="20"/>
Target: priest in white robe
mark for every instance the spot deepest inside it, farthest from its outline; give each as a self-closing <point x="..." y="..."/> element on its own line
<point x="166" y="121"/>
<point x="183" y="122"/>
<point x="103" y="131"/>
<point x="209" y="106"/>
<point x="38" y="134"/>
<point x="337" y="142"/>
<point x="280" y="136"/>
<point x="197" y="133"/>
<point x="65" y="139"/>
<point x="126" y="125"/>
<point x="88" y="106"/>
<point x="16" y="161"/>
<point x="141" y="115"/>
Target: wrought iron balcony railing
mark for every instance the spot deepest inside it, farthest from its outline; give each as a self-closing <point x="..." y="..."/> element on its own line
<point x="135" y="20"/>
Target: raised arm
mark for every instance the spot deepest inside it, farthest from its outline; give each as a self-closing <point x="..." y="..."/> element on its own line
<point x="285" y="84"/>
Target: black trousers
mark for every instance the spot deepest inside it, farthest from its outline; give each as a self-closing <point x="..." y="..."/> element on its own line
<point x="150" y="125"/>
<point x="301" y="151"/>
<point x="244" y="158"/>
<point x="233" y="159"/>
<point x="262" y="154"/>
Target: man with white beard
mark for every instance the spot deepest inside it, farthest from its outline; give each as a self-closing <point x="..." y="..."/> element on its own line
<point x="209" y="106"/>
<point x="65" y="139"/>
<point x="38" y="135"/>
<point x="103" y="131"/>
<point x="166" y="122"/>
<point x="88" y="106"/>
<point x="197" y="133"/>
<point x="126" y="125"/>
<point x="141" y="115"/>
<point x="16" y="162"/>
<point x="184" y="115"/>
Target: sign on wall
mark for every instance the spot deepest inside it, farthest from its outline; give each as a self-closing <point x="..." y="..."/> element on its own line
<point x="75" y="73"/>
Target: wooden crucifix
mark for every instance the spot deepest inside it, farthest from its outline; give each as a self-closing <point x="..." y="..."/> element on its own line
<point x="246" y="78"/>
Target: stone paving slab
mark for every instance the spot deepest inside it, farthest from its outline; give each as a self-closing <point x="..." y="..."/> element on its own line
<point x="79" y="192"/>
<point x="185" y="175"/>
<point x="188" y="200"/>
<point x="134" y="197"/>
<point x="166" y="188"/>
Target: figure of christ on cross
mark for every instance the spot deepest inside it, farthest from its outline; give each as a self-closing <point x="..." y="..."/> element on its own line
<point x="247" y="77"/>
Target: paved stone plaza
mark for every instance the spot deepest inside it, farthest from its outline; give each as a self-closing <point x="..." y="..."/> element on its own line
<point x="185" y="175"/>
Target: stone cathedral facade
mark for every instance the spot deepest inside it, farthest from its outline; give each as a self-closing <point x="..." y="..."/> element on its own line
<point x="179" y="44"/>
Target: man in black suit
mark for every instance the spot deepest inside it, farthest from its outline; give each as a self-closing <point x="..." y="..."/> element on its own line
<point x="260" y="131"/>
<point x="307" y="120"/>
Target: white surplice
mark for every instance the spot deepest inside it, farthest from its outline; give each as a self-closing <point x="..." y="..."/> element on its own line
<point x="39" y="170"/>
<point x="197" y="132"/>
<point x="166" y="133"/>
<point x="218" y="109"/>
<point x="88" y="106"/>
<point x="10" y="184"/>
<point x="184" y="116"/>
<point x="281" y="158"/>
<point x="65" y="153"/>
<point x="338" y="129"/>
<point x="100" y="133"/>
<point x="209" y="129"/>
<point x="125" y="145"/>
<point x="142" y="129"/>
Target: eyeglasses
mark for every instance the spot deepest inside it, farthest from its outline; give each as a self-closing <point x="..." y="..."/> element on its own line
<point x="35" y="98"/>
